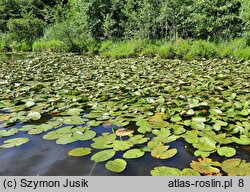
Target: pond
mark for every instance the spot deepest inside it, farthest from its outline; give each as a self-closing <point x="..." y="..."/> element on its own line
<point x="68" y="114"/>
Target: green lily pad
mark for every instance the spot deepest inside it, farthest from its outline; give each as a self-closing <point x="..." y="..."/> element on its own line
<point x="176" y="118"/>
<point x="133" y="154"/>
<point x="189" y="172"/>
<point x="199" y="119"/>
<point x="138" y="139"/>
<point x="198" y="125"/>
<point x="243" y="140"/>
<point x="14" y="142"/>
<point x="34" y="116"/>
<point x="165" y="171"/>
<point x="206" y="166"/>
<point x="144" y="125"/>
<point x="117" y="165"/>
<point x="103" y="156"/>
<point x="226" y="151"/>
<point x="73" y="120"/>
<point x="215" y="111"/>
<point x="201" y="153"/>
<point x="245" y="112"/>
<point x="104" y="141"/>
<point x="121" y="145"/>
<point x="74" y="111"/>
<point x="218" y="124"/>
<point x="79" y="152"/>
<point x="236" y="167"/>
<point x="205" y="144"/>
<point x="86" y="135"/>
<point x="162" y="152"/>
<point x="4" y="133"/>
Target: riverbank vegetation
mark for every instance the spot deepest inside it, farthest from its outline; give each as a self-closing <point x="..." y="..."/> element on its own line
<point x="123" y="28"/>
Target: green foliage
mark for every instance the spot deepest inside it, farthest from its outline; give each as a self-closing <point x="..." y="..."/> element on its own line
<point x="150" y="50"/>
<point x="109" y="27"/>
<point x="20" y="46"/>
<point x="49" y="46"/>
<point x="27" y="29"/>
<point x="201" y="49"/>
<point x="167" y="51"/>
<point x="123" y="49"/>
<point x="235" y="48"/>
<point x="4" y="42"/>
<point x="243" y="53"/>
<point x="67" y="32"/>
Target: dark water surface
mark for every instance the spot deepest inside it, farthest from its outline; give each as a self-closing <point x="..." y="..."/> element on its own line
<point x="42" y="157"/>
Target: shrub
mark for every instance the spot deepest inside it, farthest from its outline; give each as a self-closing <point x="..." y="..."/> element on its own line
<point x="69" y="33"/>
<point x="25" y="30"/>
<point x="50" y="46"/>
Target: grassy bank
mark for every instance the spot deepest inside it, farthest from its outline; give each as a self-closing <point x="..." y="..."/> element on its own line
<point x="182" y="49"/>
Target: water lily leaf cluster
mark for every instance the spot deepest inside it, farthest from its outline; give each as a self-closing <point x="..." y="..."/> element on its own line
<point x="205" y="103"/>
<point x="170" y="171"/>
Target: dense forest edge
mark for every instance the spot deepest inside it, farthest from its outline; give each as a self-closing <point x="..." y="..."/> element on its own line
<point x="185" y="29"/>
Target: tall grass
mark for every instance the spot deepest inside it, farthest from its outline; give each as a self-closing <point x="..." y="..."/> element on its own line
<point x="4" y="43"/>
<point x="121" y="49"/>
<point x="50" y="46"/>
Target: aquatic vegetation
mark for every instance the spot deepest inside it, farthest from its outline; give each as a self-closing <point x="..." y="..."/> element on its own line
<point x="79" y="152"/>
<point x="170" y="171"/>
<point x="236" y="167"/>
<point x="117" y="165"/>
<point x="143" y="106"/>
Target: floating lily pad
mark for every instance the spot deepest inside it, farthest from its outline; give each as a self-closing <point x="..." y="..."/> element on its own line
<point x="236" y="167"/>
<point x="218" y="124"/>
<point x="103" y="141"/>
<point x="189" y="172"/>
<point x="74" y="111"/>
<point x="79" y="152"/>
<point x="121" y="145"/>
<point x="4" y="133"/>
<point x="138" y="139"/>
<point x="4" y="118"/>
<point x="73" y="120"/>
<point x="123" y="132"/>
<point x="117" y="165"/>
<point x="103" y="156"/>
<point x="165" y="171"/>
<point x="206" y="166"/>
<point x="226" y="151"/>
<point x="133" y="154"/>
<point x="205" y="144"/>
<point x="243" y="140"/>
<point x="162" y="152"/>
<point x="14" y="142"/>
<point x="34" y="116"/>
<point x="201" y="153"/>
